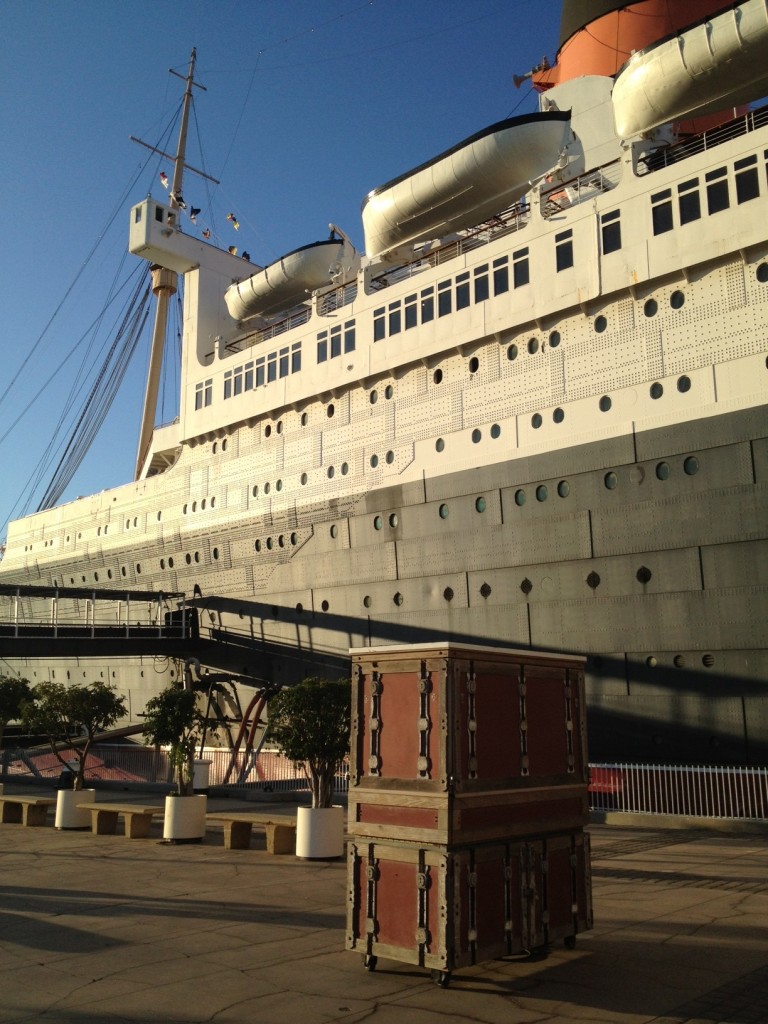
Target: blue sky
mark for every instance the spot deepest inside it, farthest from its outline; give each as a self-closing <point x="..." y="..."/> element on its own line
<point x="309" y="105"/>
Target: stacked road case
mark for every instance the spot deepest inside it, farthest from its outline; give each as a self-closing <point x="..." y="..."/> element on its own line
<point x="467" y="804"/>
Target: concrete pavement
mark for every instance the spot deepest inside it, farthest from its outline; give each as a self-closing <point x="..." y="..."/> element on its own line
<point x="101" y="929"/>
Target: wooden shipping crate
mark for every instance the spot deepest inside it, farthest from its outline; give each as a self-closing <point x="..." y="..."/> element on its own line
<point x="456" y="718"/>
<point x="443" y="909"/>
<point x="466" y="817"/>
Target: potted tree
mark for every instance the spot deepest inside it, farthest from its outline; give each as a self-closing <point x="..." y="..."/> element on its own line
<point x="310" y="724"/>
<point x="173" y="719"/>
<point x="13" y="693"/>
<point x="71" y="717"/>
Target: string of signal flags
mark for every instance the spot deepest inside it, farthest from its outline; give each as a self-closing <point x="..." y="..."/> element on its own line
<point x="195" y="210"/>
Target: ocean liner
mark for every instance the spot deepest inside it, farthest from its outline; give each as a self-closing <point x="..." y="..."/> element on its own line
<point x="531" y="414"/>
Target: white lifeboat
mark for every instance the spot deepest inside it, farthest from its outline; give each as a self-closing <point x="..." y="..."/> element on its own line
<point x="474" y="180"/>
<point x="286" y="282"/>
<point x="717" y="63"/>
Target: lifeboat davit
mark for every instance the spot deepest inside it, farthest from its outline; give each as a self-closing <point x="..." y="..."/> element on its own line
<point x="467" y="184"/>
<point x="720" y="62"/>
<point x="286" y="282"/>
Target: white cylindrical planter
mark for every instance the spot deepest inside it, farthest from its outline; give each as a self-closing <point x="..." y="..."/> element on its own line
<point x="68" y="814"/>
<point x="184" y="818"/>
<point x="201" y="775"/>
<point x="320" y="832"/>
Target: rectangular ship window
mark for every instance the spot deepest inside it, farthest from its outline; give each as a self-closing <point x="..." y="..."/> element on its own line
<point x="717" y="190"/>
<point x="237" y="381"/>
<point x="462" y="290"/>
<point x="335" y="341"/>
<point x="295" y="357"/>
<point x="322" y="346"/>
<point x="661" y="212"/>
<point x="611" y="231"/>
<point x="208" y="392"/>
<point x="427" y="305"/>
<point x="198" y="396"/>
<point x="564" y="250"/>
<point x="500" y="275"/>
<point x="260" y="372"/>
<point x="228" y="384"/>
<point x="482" y="290"/>
<point x="395" y="323"/>
<point x="747" y="183"/>
<point x="349" y="336"/>
<point x="444" y="298"/>
<point x="379" y="324"/>
<point x="271" y="367"/>
<point x="521" y="274"/>
<point x="248" y="377"/>
<point x="411" y="312"/>
<point x="283" y="363"/>
<point x="689" y="200"/>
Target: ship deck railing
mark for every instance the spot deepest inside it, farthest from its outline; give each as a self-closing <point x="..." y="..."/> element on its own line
<point x="719" y="793"/>
<point x="664" y="156"/>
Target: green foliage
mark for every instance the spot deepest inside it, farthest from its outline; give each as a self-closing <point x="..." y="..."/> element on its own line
<point x="310" y="723"/>
<point x="173" y="720"/>
<point x="13" y="692"/>
<point x="68" y="713"/>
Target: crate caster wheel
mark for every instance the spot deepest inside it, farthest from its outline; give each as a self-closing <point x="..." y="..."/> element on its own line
<point x="441" y="978"/>
<point x="370" y="961"/>
<point x="570" y="942"/>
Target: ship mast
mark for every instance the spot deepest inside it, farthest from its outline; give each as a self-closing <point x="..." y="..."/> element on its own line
<point x="164" y="282"/>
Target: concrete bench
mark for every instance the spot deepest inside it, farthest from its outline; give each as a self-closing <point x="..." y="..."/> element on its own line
<point x="281" y="832"/>
<point x="25" y="810"/>
<point x="138" y="818"/>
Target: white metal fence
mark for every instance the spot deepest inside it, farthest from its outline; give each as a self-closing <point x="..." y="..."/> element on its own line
<point x="683" y="790"/>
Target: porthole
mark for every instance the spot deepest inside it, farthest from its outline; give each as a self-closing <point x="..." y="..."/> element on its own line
<point x="281" y="541"/>
<point x="691" y="466"/>
<point x="325" y="606"/>
<point x="443" y="511"/>
<point x="334" y="531"/>
<point x="299" y="608"/>
<point x="495" y="431"/>
<point x="683" y="384"/>
<point x="600" y="324"/>
<point x="215" y="447"/>
<point x="593" y="581"/>
<point x="294" y="539"/>
<point x="257" y="545"/>
<point x="533" y="346"/>
<point x="605" y="403"/>
<point x="109" y="571"/>
<point x="188" y="558"/>
<point x="213" y="503"/>
<point x="389" y="391"/>
<point x="476" y="436"/>
<point x="563" y="488"/>
<point x="162" y="563"/>
<point x="373" y="397"/>
<point x="657" y="390"/>
<point x="267" y="488"/>
<point x="378" y="522"/>
<point x="486" y="591"/>
<point x="202" y="505"/>
<point x="215" y="554"/>
<point x="677" y="299"/>
<point x="197" y="558"/>
<point x="279" y="485"/>
<point x="268" y="430"/>
<point x="390" y="458"/>
<point x="270" y="543"/>
<point x="558" y="415"/>
<point x="374" y="461"/>
<point x="194" y="509"/>
<point x="651" y="661"/>
<point x="643" y="575"/>
<point x="474" y="364"/>
<point x="554" y="339"/>
<point x="367" y="601"/>
<point x="159" y="517"/>
<point x="224" y="445"/>
<point x="520" y="497"/>
<point x="448" y="593"/>
<point x="398" y="598"/>
<point x="662" y="471"/>
<point x="542" y="493"/>
<point x="678" y="661"/>
<point x="96" y="576"/>
<point x="122" y="571"/>
<point x="536" y="420"/>
<point x="651" y="307"/>
<point x="331" y="472"/>
<point x="611" y="481"/>
<point x="304" y="419"/>
<point x="480" y="505"/>
<point x="304" y="479"/>
<point x="344" y="468"/>
<point x="762" y="273"/>
<point x="708" y="660"/>
<point x="329" y="412"/>
<point x="512" y="353"/>
<point x="279" y="428"/>
<point x="170" y="566"/>
<point x="439" y="445"/>
<point x="437" y="376"/>
<point x="393" y="520"/>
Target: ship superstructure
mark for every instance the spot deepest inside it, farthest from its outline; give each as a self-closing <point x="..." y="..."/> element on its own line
<point x="532" y="413"/>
